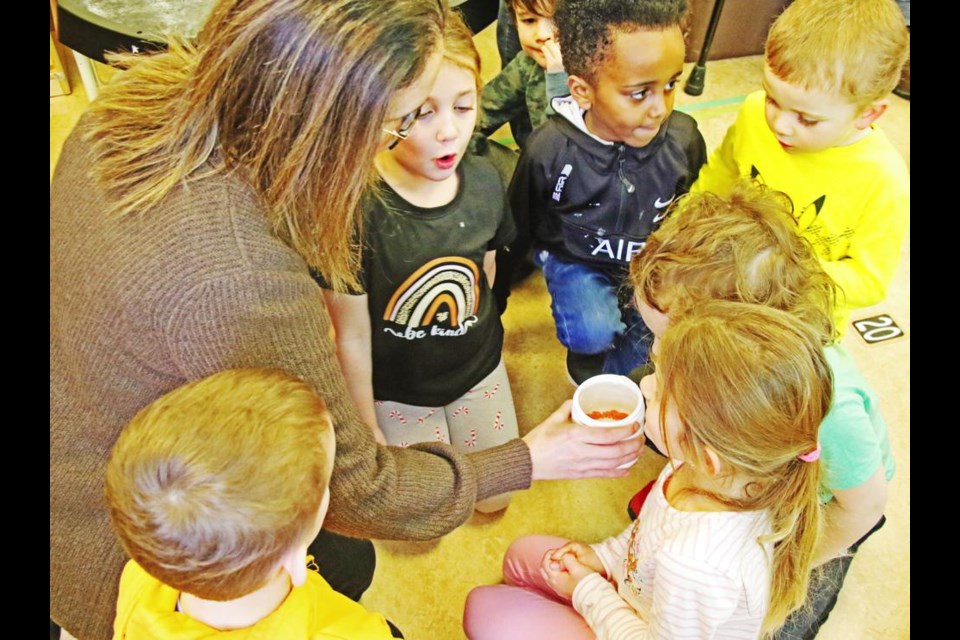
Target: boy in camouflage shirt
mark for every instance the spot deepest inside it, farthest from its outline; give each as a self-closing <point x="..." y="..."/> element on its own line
<point x="519" y="94"/>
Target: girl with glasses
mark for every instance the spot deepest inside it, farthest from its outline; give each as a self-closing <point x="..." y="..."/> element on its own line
<point x="420" y="341"/>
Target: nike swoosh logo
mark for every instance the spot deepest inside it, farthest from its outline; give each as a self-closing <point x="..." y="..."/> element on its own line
<point x="660" y="205"/>
<point x="660" y="216"/>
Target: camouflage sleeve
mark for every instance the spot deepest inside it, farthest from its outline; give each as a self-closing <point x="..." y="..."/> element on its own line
<point x="503" y="98"/>
<point x="557" y="87"/>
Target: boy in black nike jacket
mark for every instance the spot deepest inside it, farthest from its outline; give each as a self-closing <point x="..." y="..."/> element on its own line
<point x="599" y="175"/>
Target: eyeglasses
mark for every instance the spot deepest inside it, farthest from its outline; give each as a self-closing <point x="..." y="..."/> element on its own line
<point x="403" y="131"/>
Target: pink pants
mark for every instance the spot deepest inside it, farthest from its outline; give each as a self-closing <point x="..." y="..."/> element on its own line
<point x="525" y="607"/>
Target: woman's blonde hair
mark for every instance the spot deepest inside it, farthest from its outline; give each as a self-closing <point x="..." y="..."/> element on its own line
<point x="291" y="94"/>
<point x="742" y="247"/>
<point x="459" y="48"/>
<point x="851" y="48"/>
<point x="752" y="383"/>
<point x="209" y="486"/>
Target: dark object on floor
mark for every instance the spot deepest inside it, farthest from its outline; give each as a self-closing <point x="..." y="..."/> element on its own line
<point x="694" y="85"/>
<point x="396" y="633"/>
<point x="740" y="31"/>
<point x="633" y="507"/>
<point x="347" y="564"/>
<point x="581" y="366"/>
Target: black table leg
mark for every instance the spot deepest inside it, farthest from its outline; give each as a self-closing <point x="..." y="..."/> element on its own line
<point x="694" y="85"/>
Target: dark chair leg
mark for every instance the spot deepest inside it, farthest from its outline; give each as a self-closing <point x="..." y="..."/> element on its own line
<point x="694" y="85"/>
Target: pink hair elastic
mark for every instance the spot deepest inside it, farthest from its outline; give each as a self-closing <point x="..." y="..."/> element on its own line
<point x="811" y="456"/>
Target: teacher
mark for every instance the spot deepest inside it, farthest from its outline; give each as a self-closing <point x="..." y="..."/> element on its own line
<point x="185" y="212"/>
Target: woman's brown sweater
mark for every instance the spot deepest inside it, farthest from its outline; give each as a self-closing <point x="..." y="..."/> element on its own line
<point x="141" y="304"/>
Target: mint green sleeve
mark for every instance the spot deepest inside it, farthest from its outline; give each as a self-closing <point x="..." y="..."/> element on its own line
<point x="850" y="446"/>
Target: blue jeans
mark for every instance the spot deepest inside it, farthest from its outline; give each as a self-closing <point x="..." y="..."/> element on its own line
<point x="595" y="314"/>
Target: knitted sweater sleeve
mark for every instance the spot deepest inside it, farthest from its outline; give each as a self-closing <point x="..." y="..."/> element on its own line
<point x="271" y="313"/>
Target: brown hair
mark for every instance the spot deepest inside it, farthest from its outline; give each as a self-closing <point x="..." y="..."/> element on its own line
<point x="743" y="247"/>
<point x="854" y="48"/>
<point x="535" y="7"/>
<point x="459" y="47"/>
<point x="289" y="93"/>
<point x="752" y="383"/>
<point x="211" y="484"/>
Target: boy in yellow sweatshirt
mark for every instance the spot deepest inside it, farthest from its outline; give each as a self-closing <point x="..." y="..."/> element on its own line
<point x="830" y="66"/>
<point x="215" y="490"/>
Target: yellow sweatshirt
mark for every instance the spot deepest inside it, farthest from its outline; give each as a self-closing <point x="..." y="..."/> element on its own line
<point x="147" y="610"/>
<point x="852" y="203"/>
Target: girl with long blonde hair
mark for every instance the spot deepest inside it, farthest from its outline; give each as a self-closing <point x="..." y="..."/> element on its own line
<point x="723" y="545"/>
<point x="745" y="247"/>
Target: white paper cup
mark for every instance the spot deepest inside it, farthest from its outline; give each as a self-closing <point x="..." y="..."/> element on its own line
<point x="604" y="393"/>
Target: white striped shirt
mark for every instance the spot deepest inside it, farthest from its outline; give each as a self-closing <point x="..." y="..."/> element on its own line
<point x="697" y="575"/>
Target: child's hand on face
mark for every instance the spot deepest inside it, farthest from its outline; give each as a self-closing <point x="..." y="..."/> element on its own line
<point x="551" y="53"/>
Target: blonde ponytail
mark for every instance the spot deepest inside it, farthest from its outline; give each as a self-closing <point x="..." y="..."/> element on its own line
<point x="752" y="383"/>
<point x="796" y="517"/>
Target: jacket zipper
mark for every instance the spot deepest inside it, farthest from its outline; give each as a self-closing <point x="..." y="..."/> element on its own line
<point x="628" y="187"/>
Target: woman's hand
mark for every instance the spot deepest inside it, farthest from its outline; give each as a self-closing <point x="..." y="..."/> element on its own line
<point x="552" y="55"/>
<point x="563" y="450"/>
<point x="564" y="574"/>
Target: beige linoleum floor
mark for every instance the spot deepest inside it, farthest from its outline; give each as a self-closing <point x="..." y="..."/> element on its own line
<point x="422" y="586"/>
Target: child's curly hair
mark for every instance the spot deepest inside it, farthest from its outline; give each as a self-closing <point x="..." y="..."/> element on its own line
<point x="743" y="247"/>
<point x="585" y="27"/>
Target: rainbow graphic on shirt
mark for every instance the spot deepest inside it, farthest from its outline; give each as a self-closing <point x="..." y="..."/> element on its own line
<point x="445" y="291"/>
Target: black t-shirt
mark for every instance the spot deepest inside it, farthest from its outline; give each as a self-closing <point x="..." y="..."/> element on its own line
<point x="435" y="328"/>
